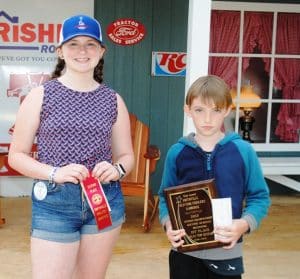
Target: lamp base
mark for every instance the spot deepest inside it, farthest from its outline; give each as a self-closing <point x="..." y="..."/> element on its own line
<point x="246" y="123"/>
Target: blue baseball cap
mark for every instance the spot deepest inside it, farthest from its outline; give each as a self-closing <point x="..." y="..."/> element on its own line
<point x="80" y="25"/>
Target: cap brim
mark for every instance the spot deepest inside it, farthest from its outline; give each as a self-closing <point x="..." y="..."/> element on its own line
<point x="79" y="34"/>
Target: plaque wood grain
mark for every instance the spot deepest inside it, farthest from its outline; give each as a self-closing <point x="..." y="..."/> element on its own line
<point x="190" y="208"/>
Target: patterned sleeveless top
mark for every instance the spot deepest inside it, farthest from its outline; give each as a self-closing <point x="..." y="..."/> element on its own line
<point x="76" y="127"/>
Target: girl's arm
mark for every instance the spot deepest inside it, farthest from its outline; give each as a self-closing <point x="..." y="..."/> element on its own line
<point x="27" y="123"/>
<point x="122" y="151"/>
<point x="121" y="138"/>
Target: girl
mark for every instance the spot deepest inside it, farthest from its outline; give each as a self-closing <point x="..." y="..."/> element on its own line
<point x="78" y="123"/>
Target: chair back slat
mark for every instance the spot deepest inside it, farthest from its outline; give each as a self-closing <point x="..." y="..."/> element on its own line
<point x="140" y="141"/>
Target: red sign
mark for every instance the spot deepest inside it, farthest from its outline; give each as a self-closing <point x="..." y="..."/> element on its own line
<point x="12" y="30"/>
<point x="168" y="63"/>
<point x="126" y="31"/>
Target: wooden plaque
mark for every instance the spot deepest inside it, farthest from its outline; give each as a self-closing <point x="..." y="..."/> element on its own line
<point x="190" y="208"/>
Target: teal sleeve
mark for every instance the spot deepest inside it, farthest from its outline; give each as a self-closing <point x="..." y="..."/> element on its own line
<point x="257" y="196"/>
<point x="169" y="179"/>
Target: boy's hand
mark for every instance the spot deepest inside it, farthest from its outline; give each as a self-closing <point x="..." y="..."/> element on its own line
<point x="174" y="236"/>
<point x="231" y="234"/>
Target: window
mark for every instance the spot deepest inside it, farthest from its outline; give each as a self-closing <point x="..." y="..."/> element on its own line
<point x="256" y="49"/>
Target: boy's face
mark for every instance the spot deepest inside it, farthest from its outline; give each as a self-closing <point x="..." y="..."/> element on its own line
<point x="207" y="118"/>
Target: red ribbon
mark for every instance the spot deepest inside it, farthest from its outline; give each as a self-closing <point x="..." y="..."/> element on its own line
<point x="96" y="198"/>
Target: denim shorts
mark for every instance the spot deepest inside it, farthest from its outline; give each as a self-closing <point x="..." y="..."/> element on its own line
<point x="64" y="214"/>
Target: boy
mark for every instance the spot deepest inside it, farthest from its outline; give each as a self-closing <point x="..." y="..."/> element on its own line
<point x="233" y="163"/>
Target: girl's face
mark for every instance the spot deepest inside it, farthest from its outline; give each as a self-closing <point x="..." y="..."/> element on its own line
<point x="207" y="118"/>
<point x="81" y="54"/>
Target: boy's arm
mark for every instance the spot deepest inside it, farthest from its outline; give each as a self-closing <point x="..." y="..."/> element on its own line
<point x="168" y="179"/>
<point x="257" y="200"/>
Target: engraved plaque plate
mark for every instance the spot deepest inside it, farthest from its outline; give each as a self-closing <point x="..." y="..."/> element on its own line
<point x="190" y="208"/>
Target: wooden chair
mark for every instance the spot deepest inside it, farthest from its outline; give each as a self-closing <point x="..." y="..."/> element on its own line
<point x="137" y="182"/>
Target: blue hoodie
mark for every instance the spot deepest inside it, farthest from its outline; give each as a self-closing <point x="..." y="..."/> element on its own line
<point x="236" y="169"/>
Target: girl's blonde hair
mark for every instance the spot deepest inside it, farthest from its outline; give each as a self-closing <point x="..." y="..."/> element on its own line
<point x="210" y="88"/>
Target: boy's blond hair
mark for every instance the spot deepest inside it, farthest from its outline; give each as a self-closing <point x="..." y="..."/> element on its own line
<point x="210" y="88"/>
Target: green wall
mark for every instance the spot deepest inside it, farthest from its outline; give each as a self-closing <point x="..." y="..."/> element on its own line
<point x="157" y="101"/>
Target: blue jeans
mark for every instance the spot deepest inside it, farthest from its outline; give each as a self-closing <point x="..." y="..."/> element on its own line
<point x="65" y="213"/>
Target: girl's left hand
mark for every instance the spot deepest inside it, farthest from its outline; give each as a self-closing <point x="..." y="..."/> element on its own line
<point x="231" y="234"/>
<point x="105" y="172"/>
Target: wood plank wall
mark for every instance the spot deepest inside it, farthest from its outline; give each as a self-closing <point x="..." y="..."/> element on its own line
<point x="157" y="101"/>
